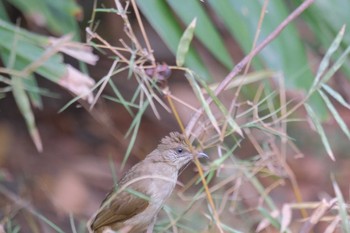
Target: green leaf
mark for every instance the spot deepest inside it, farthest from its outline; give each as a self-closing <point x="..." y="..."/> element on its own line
<point x="337" y="64"/>
<point x="320" y="130"/>
<point x="121" y="99"/>
<point x="326" y="58"/>
<point x="324" y="28"/>
<point x="266" y="215"/>
<point x="3" y="13"/>
<point x="134" y="128"/>
<point x="20" y="96"/>
<point x="28" y="50"/>
<point x="26" y="111"/>
<point x="336" y="95"/>
<point x="343" y="212"/>
<point x="235" y="127"/>
<point x="335" y="114"/>
<point x="58" y="16"/>
<point x="285" y="54"/>
<point x="185" y="42"/>
<point x="198" y="92"/>
<point x="221" y="160"/>
<point x="35" y="97"/>
<point x="206" y="32"/>
<point x="163" y="21"/>
<point x="236" y="25"/>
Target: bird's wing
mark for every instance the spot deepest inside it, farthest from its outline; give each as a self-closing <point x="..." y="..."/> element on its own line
<point x="122" y="207"/>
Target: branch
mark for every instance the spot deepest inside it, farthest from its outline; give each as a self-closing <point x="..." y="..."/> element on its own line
<point x="238" y="68"/>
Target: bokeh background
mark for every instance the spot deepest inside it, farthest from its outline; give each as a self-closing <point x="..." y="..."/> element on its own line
<point x="58" y="187"/>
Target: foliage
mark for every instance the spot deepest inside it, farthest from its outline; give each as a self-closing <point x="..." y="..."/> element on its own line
<point x="24" y="54"/>
<point x="225" y="119"/>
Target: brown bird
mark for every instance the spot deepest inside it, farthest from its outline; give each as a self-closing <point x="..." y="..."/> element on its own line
<point x="141" y="193"/>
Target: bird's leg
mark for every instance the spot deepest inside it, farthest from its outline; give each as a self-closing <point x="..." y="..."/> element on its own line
<point x="151" y="225"/>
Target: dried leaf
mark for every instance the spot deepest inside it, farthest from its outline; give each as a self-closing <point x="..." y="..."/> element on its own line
<point x="78" y="83"/>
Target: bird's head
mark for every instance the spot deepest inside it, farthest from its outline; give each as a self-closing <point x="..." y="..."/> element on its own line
<point x="175" y="150"/>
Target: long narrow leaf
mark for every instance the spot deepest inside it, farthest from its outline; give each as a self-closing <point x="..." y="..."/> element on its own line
<point x="268" y="217"/>
<point x="336" y="95"/>
<point x="134" y="128"/>
<point x="205" y="30"/>
<point x="20" y="95"/>
<point x="30" y="83"/>
<point x="320" y="130"/>
<point x="326" y="58"/>
<point x="235" y="127"/>
<point x="335" y="114"/>
<point x="185" y="42"/>
<point x="337" y="64"/>
<point x="343" y="213"/>
<point x="201" y="98"/>
<point x="286" y="53"/>
<point x="23" y="104"/>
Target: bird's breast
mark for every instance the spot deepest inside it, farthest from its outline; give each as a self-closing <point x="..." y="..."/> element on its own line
<point x="162" y="185"/>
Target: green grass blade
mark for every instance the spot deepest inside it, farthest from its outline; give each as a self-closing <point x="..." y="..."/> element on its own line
<point x="272" y="220"/>
<point x="326" y="58"/>
<point x="124" y="103"/>
<point x="337" y="64"/>
<point x="229" y="229"/>
<point x="199" y="94"/>
<point x="320" y="130"/>
<point x="342" y="206"/>
<point x="335" y="95"/>
<point x="72" y="224"/>
<point x="23" y="104"/>
<point x="30" y="83"/>
<point x="235" y="127"/>
<point x="335" y="114"/>
<point x="134" y="128"/>
<point x="260" y="188"/>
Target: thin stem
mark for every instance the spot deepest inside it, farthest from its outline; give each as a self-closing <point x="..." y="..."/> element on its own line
<point x="144" y="35"/>
<point x="238" y="68"/>
<point x="198" y="165"/>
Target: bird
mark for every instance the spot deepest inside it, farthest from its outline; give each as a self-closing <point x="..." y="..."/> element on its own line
<point x="134" y="204"/>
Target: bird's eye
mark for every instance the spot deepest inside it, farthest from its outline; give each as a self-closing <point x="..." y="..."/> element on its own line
<point x="179" y="150"/>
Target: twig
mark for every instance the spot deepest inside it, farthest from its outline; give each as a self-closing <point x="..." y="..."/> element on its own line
<point x="144" y="35"/>
<point x="27" y="206"/>
<point x="238" y="68"/>
<point x="198" y="165"/>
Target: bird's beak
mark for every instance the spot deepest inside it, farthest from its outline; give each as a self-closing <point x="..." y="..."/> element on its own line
<point x="202" y="155"/>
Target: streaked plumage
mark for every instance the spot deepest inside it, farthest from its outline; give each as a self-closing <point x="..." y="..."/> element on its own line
<point x="154" y="177"/>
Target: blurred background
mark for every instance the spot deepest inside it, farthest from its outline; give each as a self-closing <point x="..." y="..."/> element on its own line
<point x="83" y="97"/>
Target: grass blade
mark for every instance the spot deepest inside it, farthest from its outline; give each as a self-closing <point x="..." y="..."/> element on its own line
<point x="202" y="100"/>
<point x="23" y="104"/>
<point x="326" y="59"/>
<point x="134" y="127"/>
<point x="336" y="95"/>
<point x="235" y="127"/>
<point x="320" y="130"/>
<point x="342" y="206"/>
<point x="335" y="114"/>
